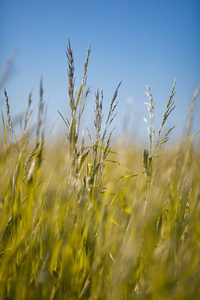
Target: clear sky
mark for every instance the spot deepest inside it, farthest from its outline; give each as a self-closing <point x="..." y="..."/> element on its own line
<point x="139" y="42"/>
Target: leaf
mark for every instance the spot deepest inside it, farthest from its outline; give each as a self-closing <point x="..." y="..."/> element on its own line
<point x="79" y="94"/>
<point x="114" y="199"/>
<point x="63" y="119"/>
<point x="116" y="162"/>
<point x="110" y="151"/>
<point x="5" y="139"/>
<point x="44" y="177"/>
<point x="85" y="287"/>
<point x="115" y="222"/>
<point x="129" y="176"/>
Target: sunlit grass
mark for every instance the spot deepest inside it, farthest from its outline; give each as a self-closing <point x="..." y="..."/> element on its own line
<point x="86" y="222"/>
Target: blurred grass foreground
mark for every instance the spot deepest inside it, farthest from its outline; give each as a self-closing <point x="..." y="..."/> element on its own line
<point x="81" y="221"/>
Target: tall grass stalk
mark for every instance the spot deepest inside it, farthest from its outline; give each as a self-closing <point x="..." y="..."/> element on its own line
<point x="150" y="155"/>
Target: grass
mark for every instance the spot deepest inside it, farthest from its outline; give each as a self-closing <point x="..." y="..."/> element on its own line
<point x="83" y="225"/>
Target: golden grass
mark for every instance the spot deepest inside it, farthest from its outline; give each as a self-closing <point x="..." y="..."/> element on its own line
<point x="83" y="222"/>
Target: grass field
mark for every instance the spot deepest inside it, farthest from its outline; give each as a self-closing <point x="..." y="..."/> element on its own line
<point x="93" y="221"/>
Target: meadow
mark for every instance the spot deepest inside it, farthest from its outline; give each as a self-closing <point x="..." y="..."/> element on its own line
<point x="97" y="220"/>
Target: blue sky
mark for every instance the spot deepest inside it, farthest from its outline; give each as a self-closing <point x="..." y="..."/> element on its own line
<point x="138" y="42"/>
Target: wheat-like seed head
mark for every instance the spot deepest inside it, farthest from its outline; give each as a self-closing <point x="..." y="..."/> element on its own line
<point x="10" y="123"/>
